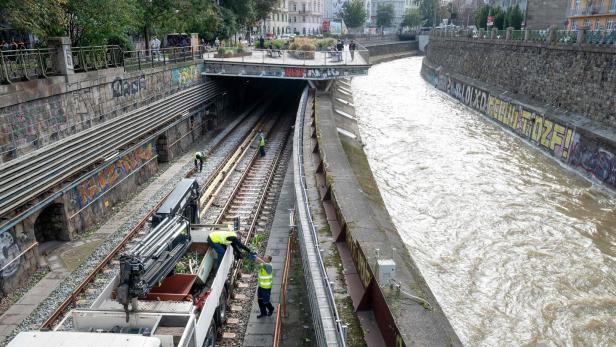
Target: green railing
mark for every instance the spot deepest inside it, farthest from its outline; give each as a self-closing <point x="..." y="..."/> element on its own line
<point x="26" y="64"/>
<point x="143" y="59"/>
<point x="96" y="57"/>
<point x="566" y="36"/>
<point x="517" y="35"/>
<point x="538" y="35"/>
<point x="606" y="38"/>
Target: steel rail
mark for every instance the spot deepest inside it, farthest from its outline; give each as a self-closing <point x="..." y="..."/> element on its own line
<point x="73" y="297"/>
<point x="89" y="153"/>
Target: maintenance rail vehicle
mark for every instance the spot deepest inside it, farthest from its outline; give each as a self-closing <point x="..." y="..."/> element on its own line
<point x="170" y="305"/>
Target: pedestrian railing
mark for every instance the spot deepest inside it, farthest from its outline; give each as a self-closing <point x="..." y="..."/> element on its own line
<point x="277" y="56"/>
<point x="605" y="38"/>
<point x="27" y="64"/>
<point x="143" y="59"/>
<point x="277" y="328"/>
<point x="91" y="58"/>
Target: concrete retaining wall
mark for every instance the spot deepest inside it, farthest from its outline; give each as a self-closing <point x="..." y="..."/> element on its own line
<point x="39" y="112"/>
<point x="581" y="143"/>
<point x="392" y="47"/>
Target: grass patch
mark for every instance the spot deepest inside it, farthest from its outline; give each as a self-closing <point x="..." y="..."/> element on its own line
<point x="77" y="255"/>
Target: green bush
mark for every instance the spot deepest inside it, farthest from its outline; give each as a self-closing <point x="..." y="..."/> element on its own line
<point x="275" y="43"/>
<point x="325" y="43"/>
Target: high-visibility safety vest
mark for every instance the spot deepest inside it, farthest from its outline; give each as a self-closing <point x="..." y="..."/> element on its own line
<point x="265" y="279"/>
<point x="262" y="142"/>
<point x="222" y="236"/>
<point x="199" y="155"/>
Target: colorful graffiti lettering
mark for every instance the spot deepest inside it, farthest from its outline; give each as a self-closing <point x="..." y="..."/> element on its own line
<point x="123" y="87"/>
<point x="9" y="251"/>
<point x="185" y="75"/>
<point x="90" y="189"/>
<point x="293" y="72"/>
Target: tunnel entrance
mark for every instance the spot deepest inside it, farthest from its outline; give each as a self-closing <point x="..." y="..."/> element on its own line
<point x="162" y="149"/>
<point x="51" y="224"/>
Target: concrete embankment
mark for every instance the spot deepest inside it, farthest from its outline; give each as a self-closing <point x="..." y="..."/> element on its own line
<point x="385" y="51"/>
<point x="582" y="143"/>
<point x="403" y="309"/>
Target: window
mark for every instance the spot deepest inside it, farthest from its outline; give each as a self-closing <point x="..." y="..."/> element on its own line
<point x="586" y="23"/>
<point x="304" y="31"/>
<point x="610" y="24"/>
<point x="613" y="6"/>
<point x="597" y="25"/>
<point x="304" y="19"/>
<point x="294" y="7"/>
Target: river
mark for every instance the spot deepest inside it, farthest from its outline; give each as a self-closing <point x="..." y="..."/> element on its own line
<point x="518" y="250"/>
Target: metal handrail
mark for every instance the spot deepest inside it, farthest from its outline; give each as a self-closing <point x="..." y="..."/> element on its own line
<point x="27" y="64"/>
<point x="341" y="328"/>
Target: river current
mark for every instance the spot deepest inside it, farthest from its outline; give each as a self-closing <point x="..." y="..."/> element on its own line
<point x="518" y="250"/>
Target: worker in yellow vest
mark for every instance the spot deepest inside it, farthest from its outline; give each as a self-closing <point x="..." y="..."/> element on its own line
<point x="199" y="159"/>
<point x="265" y="286"/>
<point x="262" y="143"/>
<point x="219" y="240"/>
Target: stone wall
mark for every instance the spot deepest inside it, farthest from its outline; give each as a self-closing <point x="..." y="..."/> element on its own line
<point x="576" y="78"/>
<point x="392" y="48"/>
<point x="36" y="113"/>
<point x="573" y="140"/>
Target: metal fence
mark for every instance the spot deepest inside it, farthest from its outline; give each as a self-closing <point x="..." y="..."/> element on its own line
<point x="142" y="59"/>
<point x="27" y="64"/>
<point x="598" y="37"/>
<point x="91" y="58"/>
<point x="275" y="56"/>
<point x="329" y="328"/>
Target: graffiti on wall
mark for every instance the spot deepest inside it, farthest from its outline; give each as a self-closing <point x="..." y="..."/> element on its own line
<point x="559" y="139"/>
<point x="25" y="122"/>
<point x="594" y="160"/>
<point x="126" y="86"/>
<point x="186" y="75"/>
<point x="90" y="189"/>
<point x="545" y="132"/>
<point x="9" y="250"/>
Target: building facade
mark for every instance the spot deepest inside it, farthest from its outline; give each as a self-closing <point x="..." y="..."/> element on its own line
<point x="593" y="15"/>
<point x="305" y="16"/>
<point x="277" y="23"/>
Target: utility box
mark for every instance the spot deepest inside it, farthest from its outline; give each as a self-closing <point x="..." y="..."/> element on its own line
<point x="385" y="271"/>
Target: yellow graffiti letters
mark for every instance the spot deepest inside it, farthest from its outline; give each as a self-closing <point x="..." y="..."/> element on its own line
<point x="547" y="130"/>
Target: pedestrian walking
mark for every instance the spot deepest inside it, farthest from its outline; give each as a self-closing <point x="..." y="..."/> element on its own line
<point x="219" y="240"/>
<point x="262" y="145"/>
<point x="352" y="49"/>
<point x="216" y="43"/>
<point x="199" y="159"/>
<point x="266" y="274"/>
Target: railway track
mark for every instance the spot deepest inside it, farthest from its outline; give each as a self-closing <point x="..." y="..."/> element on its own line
<point x="43" y="173"/>
<point x="251" y="195"/>
<point x="87" y="291"/>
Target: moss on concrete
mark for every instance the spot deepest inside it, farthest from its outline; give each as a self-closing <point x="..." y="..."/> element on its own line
<point x="361" y="168"/>
<point x="78" y="254"/>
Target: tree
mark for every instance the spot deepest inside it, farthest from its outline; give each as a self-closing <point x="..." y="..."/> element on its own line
<point x="412" y="18"/>
<point x="427" y="9"/>
<point x="92" y="22"/>
<point x="354" y="14"/>
<point x="42" y="18"/>
<point x="384" y="15"/>
<point x="514" y="17"/>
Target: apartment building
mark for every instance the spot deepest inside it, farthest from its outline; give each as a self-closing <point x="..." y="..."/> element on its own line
<point x="305" y="17"/>
<point x="592" y="14"/>
<point x="277" y="23"/>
